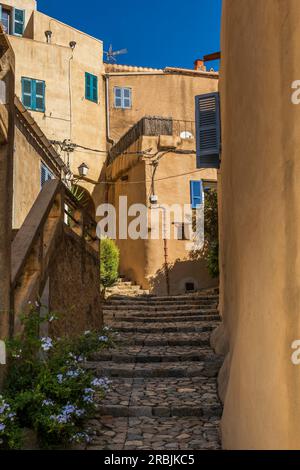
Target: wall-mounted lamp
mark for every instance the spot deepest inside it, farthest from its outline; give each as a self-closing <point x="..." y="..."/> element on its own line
<point x="83" y="170"/>
<point x="72" y="45"/>
<point x="48" y="35"/>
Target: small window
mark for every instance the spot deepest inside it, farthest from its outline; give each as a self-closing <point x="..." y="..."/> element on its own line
<point x="18" y="22"/>
<point x="13" y="20"/>
<point x="196" y="193"/>
<point x="5" y="19"/>
<point x="189" y="287"/>
<point x="91" y="87"/>
<point x="33" y="94"/>
<point x="183" y="231"/>
<point x="46" y="174"/>
<point x="123" y="97"/>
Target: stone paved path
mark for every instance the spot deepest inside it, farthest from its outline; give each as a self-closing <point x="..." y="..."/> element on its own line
<point x="164" y="375"/>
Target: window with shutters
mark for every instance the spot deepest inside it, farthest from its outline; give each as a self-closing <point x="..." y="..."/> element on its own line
<point x="33" y="94"/>
<point x="46" y="174"/>
<point x="196" y="190"/>
<point x="91" y="87"/>
<point x="13" y="20"/>
<point x="208" y="130"/>
<point x="122" y="97"/>
<point x="5" y="20"/>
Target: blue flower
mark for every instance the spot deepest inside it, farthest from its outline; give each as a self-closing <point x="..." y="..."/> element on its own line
<point x="59" y="378"/>
<point x="2" y="427"/>
<point x="46" y="344"/>
<point x="73" y="373"/>
<point x="104" y="382"/>
<point x="103" y="339"/>
<point x="48" y="403"/>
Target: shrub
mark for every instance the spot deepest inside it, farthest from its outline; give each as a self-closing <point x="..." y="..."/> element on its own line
<point x="109" y="262"/>
<point x="211" y="248"/>
<point x="50" y="389"/>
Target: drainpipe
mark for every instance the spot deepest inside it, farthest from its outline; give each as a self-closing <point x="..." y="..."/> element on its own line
<point x="108" y="138"/>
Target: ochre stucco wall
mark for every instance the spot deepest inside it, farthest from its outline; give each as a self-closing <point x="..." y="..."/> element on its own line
<point x="142" y="261"/>
<point x="166" y="95"/>
<point x="83" y="121"/>
<point x="260" y="222"/>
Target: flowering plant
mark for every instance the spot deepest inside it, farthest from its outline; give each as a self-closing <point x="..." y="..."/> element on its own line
<point x="10" y="434"/>
<point x="52" y="390"/>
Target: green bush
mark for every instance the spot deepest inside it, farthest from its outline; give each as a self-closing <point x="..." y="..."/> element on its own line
<point x="211" y="247"/>
<point x="48" y="388"/>
<point x="109" y="262"/>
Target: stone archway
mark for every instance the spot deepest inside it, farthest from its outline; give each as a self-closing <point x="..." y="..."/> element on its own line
<point x="85" y="199"/>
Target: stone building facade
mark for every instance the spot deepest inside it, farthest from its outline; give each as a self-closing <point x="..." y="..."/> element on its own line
<point x="164" y="101"/>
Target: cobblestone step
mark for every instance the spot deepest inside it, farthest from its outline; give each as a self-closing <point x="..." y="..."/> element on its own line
<point x="137" y="308"/>
<point x="160" y="318"/>
<point x="163" y="369"/>
<point x="192" y="433"/>
<point x="187" y="327"/>
<point x="162" y="398"/>
<point x="122" y="299"/>
<point x="163" y="375"/>
<point x="166" y="339"/>
<point x="144" y="354"/>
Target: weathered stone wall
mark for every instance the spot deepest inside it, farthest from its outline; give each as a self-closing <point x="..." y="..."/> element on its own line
<point x="75" y="286"/>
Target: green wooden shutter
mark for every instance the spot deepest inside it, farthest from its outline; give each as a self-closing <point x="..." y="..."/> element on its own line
<point x="18" y="22"/>
<point x="95" y="88"/>
<point x="87" y="86"/>
<point x="39" y="95"/>
<point x="208" y="130"/>
<point x="27" y="92"/>
<point x="196" y="193"/>
<point x="91" y="87"/>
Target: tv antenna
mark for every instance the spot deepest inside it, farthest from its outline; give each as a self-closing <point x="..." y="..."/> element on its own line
<point x="111" y="54"/>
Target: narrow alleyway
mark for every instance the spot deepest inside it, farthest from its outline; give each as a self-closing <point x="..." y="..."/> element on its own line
<point x="164" y="388"/>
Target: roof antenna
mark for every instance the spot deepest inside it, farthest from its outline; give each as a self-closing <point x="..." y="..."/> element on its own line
<point x="111" y="55"/>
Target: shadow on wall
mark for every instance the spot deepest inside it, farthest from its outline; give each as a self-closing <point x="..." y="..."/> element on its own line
<point x="184" y="276"/>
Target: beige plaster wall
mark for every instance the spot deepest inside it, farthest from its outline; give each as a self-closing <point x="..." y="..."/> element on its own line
<point x="82" y="121"/>
<point x="166" y="95"/>
<point x="132" y="252"/>
<point x="27" y="174"/>
<point x="260" y="222"/>
<point x="143" y="260"/>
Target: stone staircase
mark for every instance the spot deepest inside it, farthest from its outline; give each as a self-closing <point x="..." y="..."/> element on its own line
<point x="124" y="287"/>
<point x="164" y="375"/>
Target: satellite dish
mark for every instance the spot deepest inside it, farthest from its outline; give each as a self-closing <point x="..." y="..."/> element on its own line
<point x="186" y="135"/>
<point x="111" y="54"/>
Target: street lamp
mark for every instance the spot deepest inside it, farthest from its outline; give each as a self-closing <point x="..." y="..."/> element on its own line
<point x="83" y="170"/>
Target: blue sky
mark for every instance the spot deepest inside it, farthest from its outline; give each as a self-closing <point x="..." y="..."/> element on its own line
<point x="157" y="33"/>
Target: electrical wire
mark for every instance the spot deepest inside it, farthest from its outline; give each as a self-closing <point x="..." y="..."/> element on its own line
<point x="149" y="181"/>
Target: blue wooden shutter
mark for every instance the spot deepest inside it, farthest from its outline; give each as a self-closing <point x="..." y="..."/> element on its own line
<point x="208" y="131"/>
<point x="1" y="13"/>
<point x="87" y="86"/>
<point x="91" y="87"/>
<point x="46" y="174"/>
<point x="38" y="95"/>
<point x="196" y="193"/>
<point x="27" y="92"/>
<point x="18" y="22"/>
<point x="95" y="88"/>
